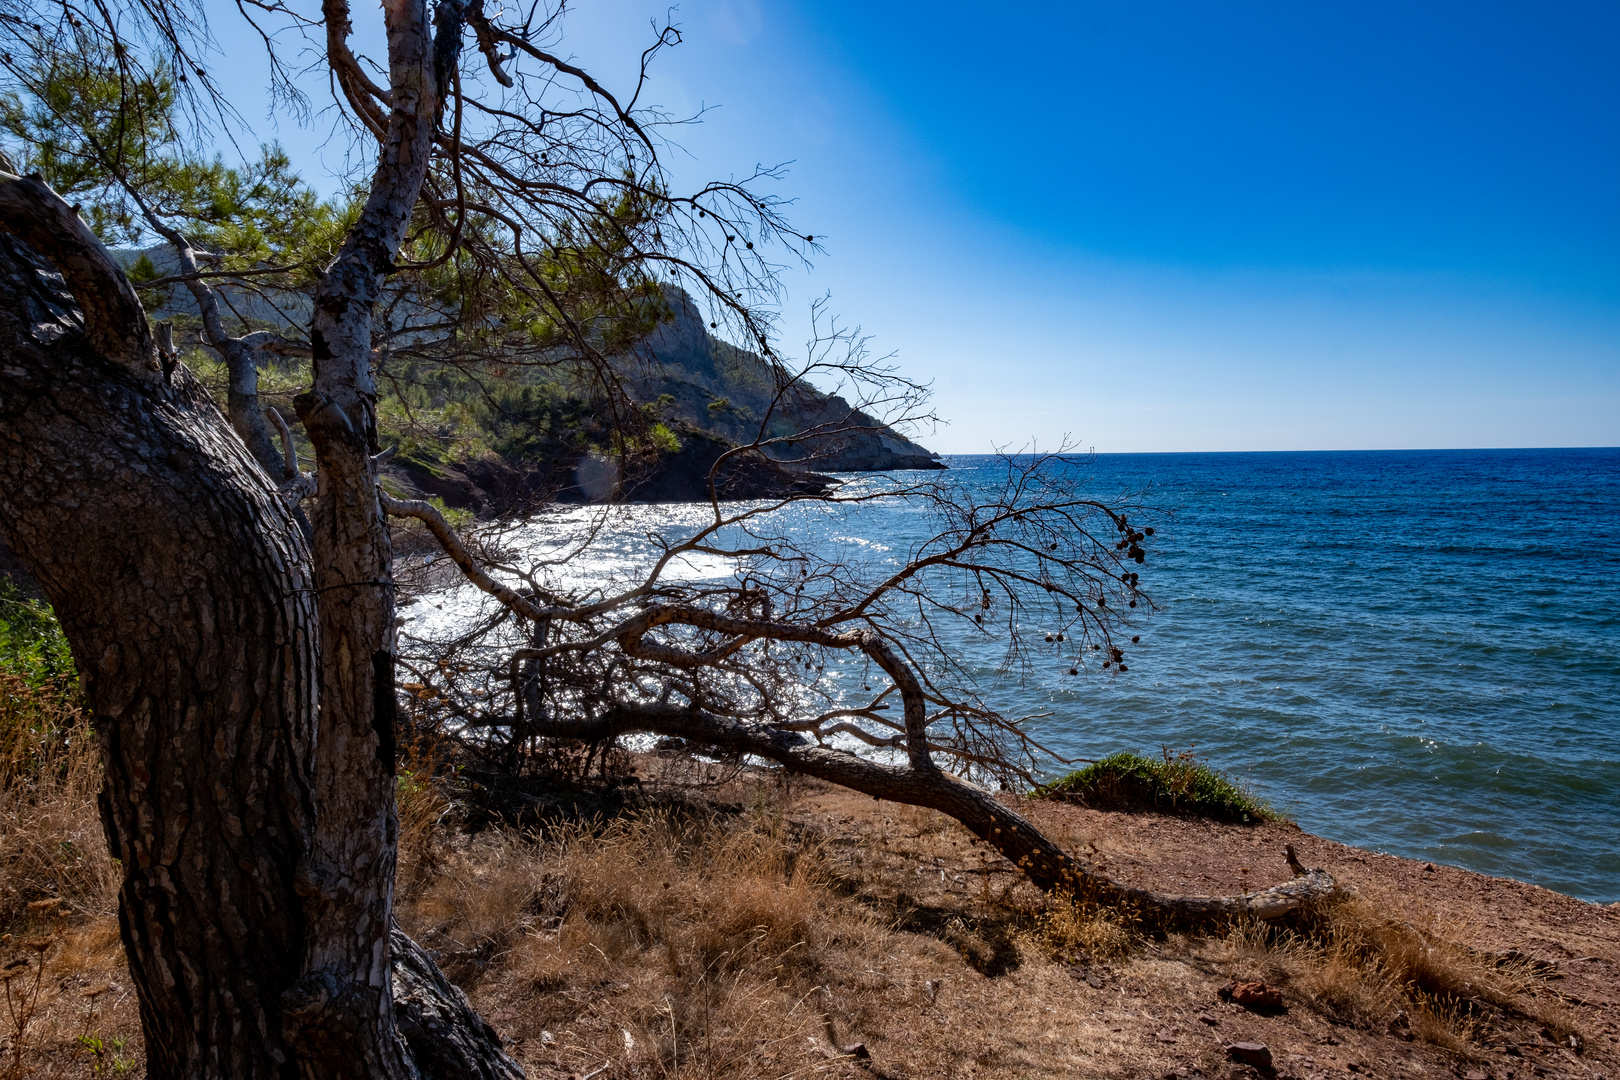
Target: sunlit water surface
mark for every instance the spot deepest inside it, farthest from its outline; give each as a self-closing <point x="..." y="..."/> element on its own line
<point x="1410" y="651"/>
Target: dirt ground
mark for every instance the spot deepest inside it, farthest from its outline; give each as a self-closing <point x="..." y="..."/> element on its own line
<point x="755" y="926"/>
<point x="936" y="960"/>
<point x="1157" y="1012"/>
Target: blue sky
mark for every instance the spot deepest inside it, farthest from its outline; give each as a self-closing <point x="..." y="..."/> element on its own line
<point x="1177" y="226"/>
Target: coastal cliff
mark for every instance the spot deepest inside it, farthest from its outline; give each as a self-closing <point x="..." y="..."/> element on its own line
<point x="495" y="445"/>
<point x="715" y="386"/>
<point x="708" y="397"/>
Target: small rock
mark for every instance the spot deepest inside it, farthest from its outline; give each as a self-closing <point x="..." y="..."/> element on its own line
<point x="1475" y="1074"/>
<point x="1205" y="1018"/>
<point x="547" y="1038"/>
<point x="1256" y="1054"/>
<point x="1428" y="868"/>
<point x="857" y="1051"/>
<point x="1257" y="995"/>
<point x="1165" y="1036"/>
<point x="1094" y="981"/>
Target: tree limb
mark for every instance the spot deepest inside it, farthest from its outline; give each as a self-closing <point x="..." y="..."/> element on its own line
<point x="1047" y="866"/>
<point x="115" y="322"/>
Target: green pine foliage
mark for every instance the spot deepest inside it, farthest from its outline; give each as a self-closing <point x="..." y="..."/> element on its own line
<point x="86" y="129"/>
<point x="469" y="363"/>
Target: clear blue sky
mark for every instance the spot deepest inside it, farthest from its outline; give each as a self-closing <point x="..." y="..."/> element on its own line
<point x="1178" y="226"/>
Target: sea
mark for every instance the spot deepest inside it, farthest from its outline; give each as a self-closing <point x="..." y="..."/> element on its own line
<point x="1415" y="652"/>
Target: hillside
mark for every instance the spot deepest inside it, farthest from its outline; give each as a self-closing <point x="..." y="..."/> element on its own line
<point x="724" y="390"/>
<point x="489" y="441"/>
<point x="706" y="395"/>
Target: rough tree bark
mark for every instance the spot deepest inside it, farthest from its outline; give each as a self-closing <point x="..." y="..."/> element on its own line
<point x="183" y="587"/>
<point x="342" y="1010"/>
<point x="183" y="582"/>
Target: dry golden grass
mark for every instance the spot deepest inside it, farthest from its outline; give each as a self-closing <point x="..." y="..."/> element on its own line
<point x="1068" y="930"/>
<point x="67" y="1009"/>
<point x="757" y="942"/>
<point x="762" y="927"/>
<point x="671" y="942"/>
<point x="1357" y="966"/>
<point x="51" y="844"/>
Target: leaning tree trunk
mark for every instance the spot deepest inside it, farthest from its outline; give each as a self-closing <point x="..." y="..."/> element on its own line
<point x="1020" y="841"/>
<point x="343" y="1007"/>
<point x="182" y="586"/>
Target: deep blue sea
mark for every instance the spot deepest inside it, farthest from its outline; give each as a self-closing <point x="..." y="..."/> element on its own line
<point x="1411" y="651"/>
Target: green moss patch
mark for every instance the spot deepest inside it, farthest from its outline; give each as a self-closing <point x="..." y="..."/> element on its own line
<point x="1171" y="784"/>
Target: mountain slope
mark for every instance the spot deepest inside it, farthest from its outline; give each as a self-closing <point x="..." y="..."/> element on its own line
<point x="725" y="390"/>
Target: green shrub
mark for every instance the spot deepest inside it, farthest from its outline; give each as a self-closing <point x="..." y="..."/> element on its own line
<point x="38" y="690"/>
<point x="32" y="646"/>
<point x="1173" y="783"/>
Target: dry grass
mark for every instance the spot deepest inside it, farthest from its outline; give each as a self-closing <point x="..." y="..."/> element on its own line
<point x="51" y="845"/>
<point x="759" y="928"/>
<point x="677" y="944"/>
<point x="1069" y="931"/>
<point x="1357" y="966"/>
<point x="67" y="1011"/>
<point x="755" y="941"/>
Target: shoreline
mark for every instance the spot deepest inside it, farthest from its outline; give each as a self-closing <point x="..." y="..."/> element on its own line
<point x="1214" y="853"/>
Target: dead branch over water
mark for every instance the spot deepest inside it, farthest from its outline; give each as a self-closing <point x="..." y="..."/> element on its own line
<point x="733" y="664"/>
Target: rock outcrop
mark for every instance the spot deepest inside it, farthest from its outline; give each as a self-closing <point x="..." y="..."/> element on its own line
<point x="726" y="390"/>
<point x="492" y="486"/>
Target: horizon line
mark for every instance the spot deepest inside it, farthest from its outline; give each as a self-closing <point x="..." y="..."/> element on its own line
<point x="1319" y="450"/>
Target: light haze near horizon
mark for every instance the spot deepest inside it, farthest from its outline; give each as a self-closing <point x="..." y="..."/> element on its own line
<point x="1167" y="226"/>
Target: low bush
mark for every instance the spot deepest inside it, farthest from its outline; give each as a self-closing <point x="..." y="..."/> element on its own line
<point x="1175" y="783"/>
<point x="32" y="646"/>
